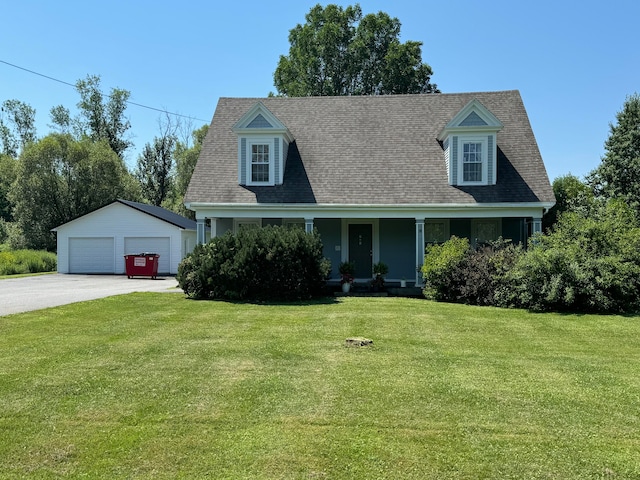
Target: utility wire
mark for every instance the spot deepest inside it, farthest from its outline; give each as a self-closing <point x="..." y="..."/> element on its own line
<point x="72" y="85"/>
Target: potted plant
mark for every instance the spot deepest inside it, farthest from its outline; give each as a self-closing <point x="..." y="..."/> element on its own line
<point x="347" y="270"/>
<point x="380" y="269"/>
<point x="403" y="283"/>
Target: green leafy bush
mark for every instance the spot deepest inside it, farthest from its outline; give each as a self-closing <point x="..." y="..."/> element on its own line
<point x="271" y="263"/>
<point x="454" y="272"/>
<point x="15" y="262"/>
<point x="440" y="261"/>
<point x="590" y="262"/>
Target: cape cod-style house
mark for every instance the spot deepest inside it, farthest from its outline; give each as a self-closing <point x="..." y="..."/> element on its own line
<point x="379" y="177"/>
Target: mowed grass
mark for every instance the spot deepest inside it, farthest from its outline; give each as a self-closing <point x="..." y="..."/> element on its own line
<point x="157" y="386"/>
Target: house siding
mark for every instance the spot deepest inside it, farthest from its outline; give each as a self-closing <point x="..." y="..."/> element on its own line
<point x="243" y="161"/>
<point x="447" y="159"/>
<point x="330" y="234"/>
<point x="454" y="163"/>
<point x="397" y="237"/>
<point x="276" y="159"/>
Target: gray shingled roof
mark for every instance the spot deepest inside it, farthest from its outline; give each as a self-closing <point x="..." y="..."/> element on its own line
<point x="371" y="150"/>
<point x="162" y="214"/>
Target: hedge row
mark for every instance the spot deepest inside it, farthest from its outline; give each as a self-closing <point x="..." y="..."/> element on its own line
<point x="590" y="262"/>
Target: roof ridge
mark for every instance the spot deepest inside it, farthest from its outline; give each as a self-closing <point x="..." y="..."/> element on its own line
<point x="395" y="95"/>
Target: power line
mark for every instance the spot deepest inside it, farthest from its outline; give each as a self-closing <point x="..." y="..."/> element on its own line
<point x="72" y="85"/>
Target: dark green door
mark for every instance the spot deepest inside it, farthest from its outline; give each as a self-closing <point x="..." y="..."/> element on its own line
<point x="361" y="248"/>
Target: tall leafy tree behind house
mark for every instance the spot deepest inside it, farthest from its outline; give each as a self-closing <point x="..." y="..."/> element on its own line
<point x="340" y="52"/>
<point x="59" y="178"/>
<point x="571" y="194"/>
<point x="186" y="157"/>
<point x="618" y="175"/>
<point x="154" y="169"/>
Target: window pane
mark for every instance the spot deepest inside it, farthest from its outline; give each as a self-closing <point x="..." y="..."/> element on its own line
<point x="260" y="153"/>
<point x="472" y="172"/>
<point x="260" y="163"/>
<point x="434" y="232"/>
<point x="472" y="162"/>
<point x="260" y="172"/>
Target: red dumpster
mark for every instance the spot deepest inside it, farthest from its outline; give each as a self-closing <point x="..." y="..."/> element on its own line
<point x="141" y="265"/>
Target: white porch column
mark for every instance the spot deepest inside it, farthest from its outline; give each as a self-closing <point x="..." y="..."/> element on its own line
<point x="537" y="226"/>
<point x="419" y="249"/>
<point x="308" y="225"/>
<point x="200" y="230"/>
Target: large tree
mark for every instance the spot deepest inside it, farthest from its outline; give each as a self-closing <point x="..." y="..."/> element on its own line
<point x="59" y="178"/>
<point x="17" y="126"/>
<point x="618" y="175"/>
<point x="155" y="167"/>
<point x="340" y="52"/>
<point x="186" y="156"/>
<point x="7" y="176"/>
<point x="99" y="118"/>
<point x="571" y="194"/>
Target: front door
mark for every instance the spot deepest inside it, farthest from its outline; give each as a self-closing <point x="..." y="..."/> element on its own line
<point x="361" y="248"/>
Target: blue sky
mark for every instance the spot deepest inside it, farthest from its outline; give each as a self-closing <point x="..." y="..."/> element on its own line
<point x="573" y="62"/>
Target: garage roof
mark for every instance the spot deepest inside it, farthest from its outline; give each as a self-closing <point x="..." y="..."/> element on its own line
<point x="157" y="212"/>
<point x="162" y="214"/>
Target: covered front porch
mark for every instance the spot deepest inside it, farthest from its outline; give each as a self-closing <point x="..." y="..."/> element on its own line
<point x="398" y="241"/>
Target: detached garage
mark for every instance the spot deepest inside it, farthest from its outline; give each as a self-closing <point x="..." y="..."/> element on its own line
<point x="98" y="241"/>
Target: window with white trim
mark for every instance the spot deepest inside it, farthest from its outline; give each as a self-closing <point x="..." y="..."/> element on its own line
<point x="472" y="162"/>
<point x="260" y="163"/>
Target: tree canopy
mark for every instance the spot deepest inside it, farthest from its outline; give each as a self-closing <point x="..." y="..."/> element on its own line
<point x="338" y="51"/>
<point x="19" y="127"/>
<point x="618" y="175"/>
<point x="59" y="178"/>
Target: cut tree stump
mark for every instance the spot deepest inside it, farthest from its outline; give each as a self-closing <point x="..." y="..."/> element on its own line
<point x="358" y="342"/>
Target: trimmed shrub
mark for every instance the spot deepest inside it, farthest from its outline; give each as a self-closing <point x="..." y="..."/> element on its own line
<point x="270" y="263"/>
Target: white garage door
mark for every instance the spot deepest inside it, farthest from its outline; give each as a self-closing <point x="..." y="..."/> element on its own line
<point x="91" y="255"/>
<point x="159" y="245"/>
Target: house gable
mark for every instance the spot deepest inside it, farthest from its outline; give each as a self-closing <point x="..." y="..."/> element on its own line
<point x="263" y="144"/>
<point x="469" y="141"/>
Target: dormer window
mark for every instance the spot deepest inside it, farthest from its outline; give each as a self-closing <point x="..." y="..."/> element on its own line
<point x="474" y="160"/>
<point x="263" y="144"/>
<point x="470" y="146"/>
<point x="260" y="164"/>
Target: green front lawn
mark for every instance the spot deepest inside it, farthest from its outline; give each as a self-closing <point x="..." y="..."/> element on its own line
<point x="157" y="386"/>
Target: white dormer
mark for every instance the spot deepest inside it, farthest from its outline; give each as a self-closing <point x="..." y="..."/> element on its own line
<point x="470" y="146"/>
<point x="263" y="143"/>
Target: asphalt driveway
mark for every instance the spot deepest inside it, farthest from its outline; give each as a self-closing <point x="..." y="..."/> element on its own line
<point x="43" y="291"/>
